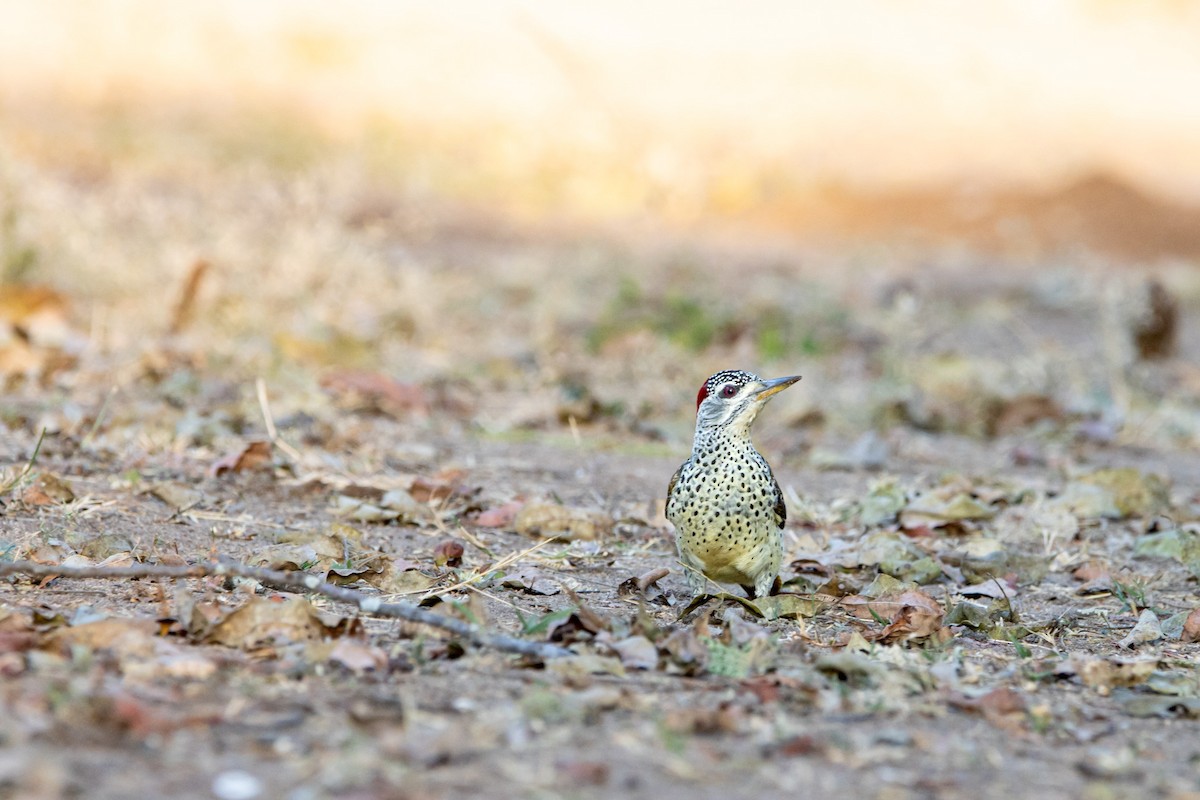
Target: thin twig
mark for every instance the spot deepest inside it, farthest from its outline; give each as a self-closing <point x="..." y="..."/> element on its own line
<point x="297" y="582"/>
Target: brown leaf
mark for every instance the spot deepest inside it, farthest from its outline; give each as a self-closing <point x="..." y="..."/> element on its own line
<point x="362" y="390"/>
<point x="254" y="455"/>
<point x="1004" y="416"/>
<point x="943" y="509"/>
<point x="448" y="553"/>
<point x="441" y="487"/>
<point x="20" y="304"/>
<point x="784" y="605"/>
<point x="402" y="577"/>
<point x="178" y="496"/>
<point x="1191" y="627"/>
<point x="801" y="745"/>
<point x="1096" y="579"/>
<point x="270" y="620"/>
<point x="124" y="636"/>
<point x="570" y="629"/>
<point x="591" y="619"/>
<point x="142" y="718"/>
<point x="34" y="328"/>
<point x="499" y="516"/>
<point x="47" y="490"/>
<point x="106" y="545"/>
<point x="1104" y="675"/>
<point x="1003" y="706"/>
<point x="645" y="586"/>
<point x="358" y="657"/>
<point x="396" y="504"/>
<point x="636" y="652"/>
<point x="584" y="773"/>
<point x="1090" y="571"/>
<point x="1133" y="492"/>
<point x="560" y="522"/>
<point x="919" y="617"/>
<point x="725" y="718"/>
<point x="1002" y="700"/>
<point x="17" y="635"/>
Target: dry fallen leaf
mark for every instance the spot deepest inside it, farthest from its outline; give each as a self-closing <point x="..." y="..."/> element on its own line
<point x="448" y="553"/>
<point x="992" y="588"/>
<point x="180" y="497"/>
<point x="47" y="490"/>
<point x="361" y="390"/>
<point x="106" y="545"/>
<point x="782" y="606"/>
<point x="531" y="579"/>
<point x="1191" y="627"/>
<point x="936" y="510"/>
<point x="560" y="522"/>
<point x="124" y="636"/>
<point x="499" y="516"/>
<point x="1104" y="675"/>
<point x="254" y="455"/>
<point x="271" y="620"/>
<point x="354" y="655"/>
<point x="1002" y="706"/>
<point x="441" y="487"/>
<point x="918" y="616"/>
<point x="396" y="505"/>
<point x="635" y="652"/>
<point x="1133" y="492"/>
<point x="402" y="577"/>
<point x="583" y="773"/>
<point x="1148" y="629"/>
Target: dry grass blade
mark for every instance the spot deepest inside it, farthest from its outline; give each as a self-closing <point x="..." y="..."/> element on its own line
<point x="509" y="559"/>
<point x="20" y="476"/>
<point x="260" y="389"/>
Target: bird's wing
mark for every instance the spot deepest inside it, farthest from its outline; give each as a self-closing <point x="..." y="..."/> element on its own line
<point x="674" y="480"/>
<point x="780" y="506"/>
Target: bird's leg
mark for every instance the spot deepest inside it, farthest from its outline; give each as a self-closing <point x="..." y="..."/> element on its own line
<point x="695" y="580"/>
<point x="765" y="584"/>
<point x="692" y="572"/>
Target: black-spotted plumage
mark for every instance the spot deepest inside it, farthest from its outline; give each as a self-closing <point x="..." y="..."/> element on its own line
<point x="724" y="500"/>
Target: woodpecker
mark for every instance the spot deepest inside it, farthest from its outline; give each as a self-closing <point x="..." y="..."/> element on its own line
<point x="724" y="500"/>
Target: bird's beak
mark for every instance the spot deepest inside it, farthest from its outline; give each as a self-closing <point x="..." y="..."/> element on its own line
<point x="775" y="386"/>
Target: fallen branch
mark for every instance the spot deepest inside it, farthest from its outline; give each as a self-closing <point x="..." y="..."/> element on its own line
<point x="297" y="582"/>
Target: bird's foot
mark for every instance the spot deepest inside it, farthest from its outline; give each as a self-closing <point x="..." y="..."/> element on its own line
<point x="764" y="586"/>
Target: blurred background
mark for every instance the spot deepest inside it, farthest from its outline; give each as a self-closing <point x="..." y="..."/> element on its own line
<point x="923" y="206"/>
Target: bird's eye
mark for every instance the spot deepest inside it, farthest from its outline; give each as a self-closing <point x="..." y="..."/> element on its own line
<point x="729" y="391"/>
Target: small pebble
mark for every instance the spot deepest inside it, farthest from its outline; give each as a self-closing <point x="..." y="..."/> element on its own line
<point x="236" y="784"/>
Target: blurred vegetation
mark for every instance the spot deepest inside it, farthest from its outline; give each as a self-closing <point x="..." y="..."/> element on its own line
<point x="18" y="259"/>
<point x="687" y="321"/>
<point x="695" y="322"/>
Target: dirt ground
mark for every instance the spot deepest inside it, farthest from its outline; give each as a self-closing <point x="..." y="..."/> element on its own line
<point x="991" y="469"/>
